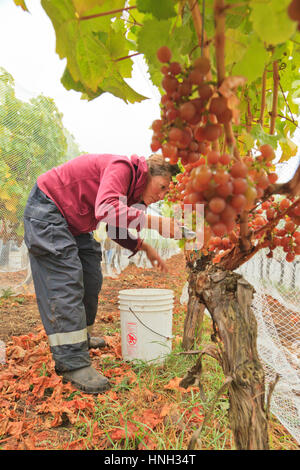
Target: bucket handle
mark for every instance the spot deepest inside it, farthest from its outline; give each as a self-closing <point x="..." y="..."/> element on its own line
<point x="159" y="334"/>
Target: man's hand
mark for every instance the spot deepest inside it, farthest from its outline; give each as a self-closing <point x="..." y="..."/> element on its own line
<point x="165" y="226"/>
<point x="154" y="257"/>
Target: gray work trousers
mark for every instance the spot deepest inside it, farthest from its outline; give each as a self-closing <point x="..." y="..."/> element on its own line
<point x="67" y="277"/>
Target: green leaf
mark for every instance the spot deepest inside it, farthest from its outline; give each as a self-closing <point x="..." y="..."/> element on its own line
<point x="238" y="18"/>
<point x="93" y="7"/>
<point x="253" y="62"/>
<point x="91" y="60"/>
<point x="83" y="7"/>
<point x="62" y="15"/>
<point x="119" y="48"/>
<point x="118" y="87"/>
<point x="70" y="84"/>
<point x="155" y="34"/>
<point x="247" y="139"/>
<point x="271" y="22"/>
<point x="236" y="45"/>
<point x="258" y="133"/>
<point x="92" y="48"/>
<point x="159" y="9"/>
<point x="114" y="84"/>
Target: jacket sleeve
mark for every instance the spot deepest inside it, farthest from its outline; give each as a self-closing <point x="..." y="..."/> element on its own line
<point x="111" y="206"/>
<point x="129" y="241"/>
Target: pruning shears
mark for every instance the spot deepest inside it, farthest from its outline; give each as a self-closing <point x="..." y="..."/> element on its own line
<point x="187" y="233"/>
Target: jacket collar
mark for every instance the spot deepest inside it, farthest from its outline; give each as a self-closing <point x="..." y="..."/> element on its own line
<point x="141" y="176"/>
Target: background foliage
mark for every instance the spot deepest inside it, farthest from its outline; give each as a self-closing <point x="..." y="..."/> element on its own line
<point x="32" y="140"/>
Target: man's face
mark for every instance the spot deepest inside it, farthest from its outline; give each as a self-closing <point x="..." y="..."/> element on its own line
<point x="156" y="189"/>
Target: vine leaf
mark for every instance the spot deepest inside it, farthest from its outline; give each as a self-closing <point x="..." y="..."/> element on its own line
<point x="157" y="32"/>
<point x="271" y="22"/>
<point x="161" y="10"/>
<point x="253" y="62"/>
<point x="258" y="133"/>
<point x="289" y="149"/>
<point x="22" y="4"/>
<point x="92" y="49"/>
<point x="83" y="7"/>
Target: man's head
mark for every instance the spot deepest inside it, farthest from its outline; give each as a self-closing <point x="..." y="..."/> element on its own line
<point x="160" y="174"/>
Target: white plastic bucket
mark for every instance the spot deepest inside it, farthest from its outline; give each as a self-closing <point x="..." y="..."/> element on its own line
<point x="146" y="324"/>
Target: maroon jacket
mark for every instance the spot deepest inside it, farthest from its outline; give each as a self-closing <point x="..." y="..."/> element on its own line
<point x="93" y="188"/>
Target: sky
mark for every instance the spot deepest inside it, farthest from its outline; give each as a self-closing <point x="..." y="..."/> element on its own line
<point x="104" y="125"/>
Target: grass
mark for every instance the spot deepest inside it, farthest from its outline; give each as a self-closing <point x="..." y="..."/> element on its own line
<point x="186" y="410"/>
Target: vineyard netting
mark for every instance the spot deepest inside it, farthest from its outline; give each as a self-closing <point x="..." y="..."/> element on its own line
<point x="33" y="139"/>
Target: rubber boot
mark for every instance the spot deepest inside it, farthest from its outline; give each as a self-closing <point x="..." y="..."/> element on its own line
<point x="95" y="342"/>
<point x="86" y="379"/>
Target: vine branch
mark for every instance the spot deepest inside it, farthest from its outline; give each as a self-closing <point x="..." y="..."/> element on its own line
<point x="275" y="97"/>
<point x="263" y="97"/>
<point x="198" y="24"/>
<point x="220" y="20"/>
<point x="106" y="13"/>
<point x="287" y="105"/>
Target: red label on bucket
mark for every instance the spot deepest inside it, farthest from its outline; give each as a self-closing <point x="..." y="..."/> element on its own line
<point x="131" y="338"/>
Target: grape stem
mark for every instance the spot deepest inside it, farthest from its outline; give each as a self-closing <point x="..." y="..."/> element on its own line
<point x="245" y="235"/>
<point x="275" y="97"/>
<point x="249" y="116"/>
<point x="203" y="43"/>
<point x="288" y="107"/>
<point x="263" y="98"/>
<point x="199" y="28"/>
<point x="220" y="20"/>
<point x="127" y="57"/>
<point x="105" y="13"/>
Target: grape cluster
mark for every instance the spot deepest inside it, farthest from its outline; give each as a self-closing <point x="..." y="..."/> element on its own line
<point x="294" y="11"/>
<point x="192" y="117"/>
<point x="286" y="215"/>
<point x="187" y="126"/>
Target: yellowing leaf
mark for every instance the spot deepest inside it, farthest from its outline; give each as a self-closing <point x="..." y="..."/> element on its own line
<point x="289" y="149"/>
<point x="22" y="4"/>
<point x="10" y="205"/>
<point x="4" y="194"/>
<point x="82" y="6"/>
<point x="247" y="139"/>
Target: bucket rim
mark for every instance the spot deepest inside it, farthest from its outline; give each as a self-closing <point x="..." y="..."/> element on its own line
<point x="141" y="303"/>
<point x="146" y="291"/>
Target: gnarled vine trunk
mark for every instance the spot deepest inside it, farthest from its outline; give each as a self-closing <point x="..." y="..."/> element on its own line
<point x="228" y="298"/>
<point x="194" y="319"/>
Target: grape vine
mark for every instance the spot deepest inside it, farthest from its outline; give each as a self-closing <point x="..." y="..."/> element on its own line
<point x="228" y="80"/>
<point x="190" y="130"/>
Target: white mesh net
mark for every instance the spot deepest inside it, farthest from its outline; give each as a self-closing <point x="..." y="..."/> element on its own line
<point x="277" y="310"/>
<point x="32" y="140"/>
